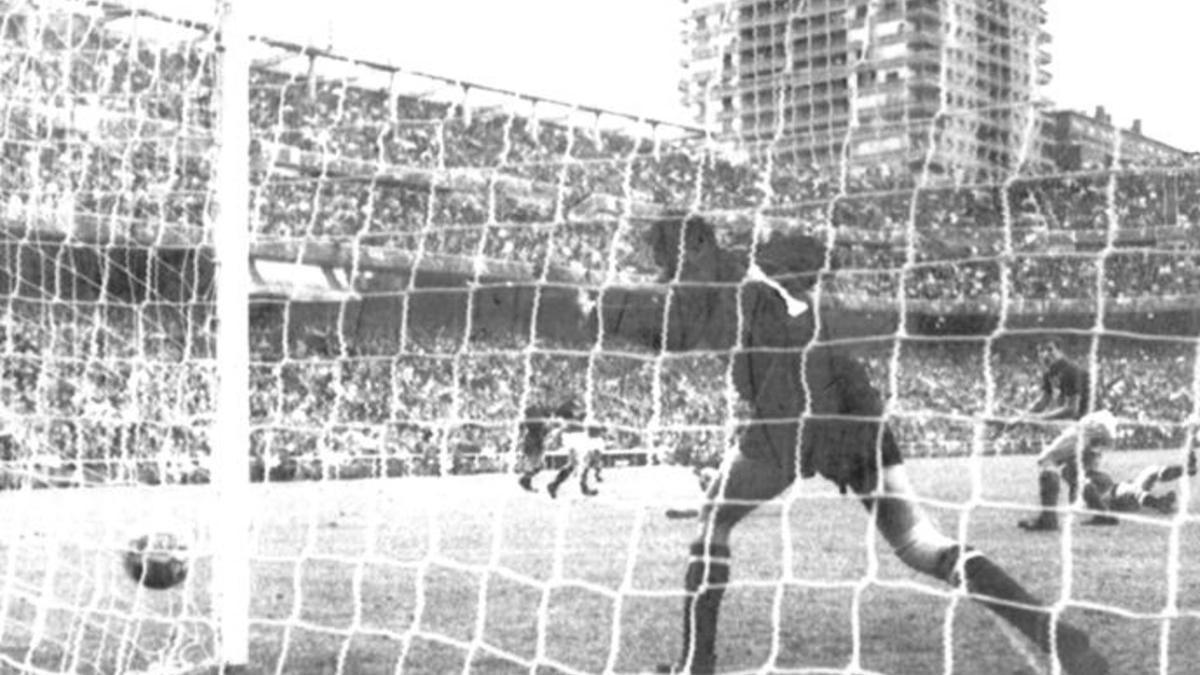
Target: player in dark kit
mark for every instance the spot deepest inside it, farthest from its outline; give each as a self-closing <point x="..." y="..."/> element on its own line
<point x="812" y="412"/>
<point x="535" y="427"/>
<point x="1066" y="395"/>
<point x="1066" y="388"/>
<point x="540" y="423"/>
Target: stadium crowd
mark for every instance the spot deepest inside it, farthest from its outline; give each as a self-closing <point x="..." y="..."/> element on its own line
<point x="957" y="235"/>
<point x="111" y="396"/>
<point x="103" y="406"/>
<point x="944" y="243"/>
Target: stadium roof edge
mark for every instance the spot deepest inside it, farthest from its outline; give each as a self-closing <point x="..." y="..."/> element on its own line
<point x="119" y="12"/>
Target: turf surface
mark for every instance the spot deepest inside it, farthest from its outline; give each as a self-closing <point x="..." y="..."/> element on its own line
<point x="427" y="575"/>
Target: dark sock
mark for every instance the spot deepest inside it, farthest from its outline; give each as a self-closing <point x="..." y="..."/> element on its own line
<point x="583" y="484"/>
<point x="1171" y="473"/>
<point x="562" y="475"/>
<point x="1048" y="489"/>
<point x="1091" y="498"/>
<point x="1164" y="503"/>
<point x="992" y="587"/>
<point x="707" y="575"/>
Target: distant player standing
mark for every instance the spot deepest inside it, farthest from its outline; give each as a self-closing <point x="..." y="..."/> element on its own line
<point x="584" y="446"/>
<point x="812" y="411"/>
<point x="1066" y="395"/>
<point x="540" y="426"/>
<point x="541" y="422"/>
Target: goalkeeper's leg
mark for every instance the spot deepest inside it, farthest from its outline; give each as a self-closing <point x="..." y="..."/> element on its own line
<point x="739" y="490"/>
<point x="917" y="542"/>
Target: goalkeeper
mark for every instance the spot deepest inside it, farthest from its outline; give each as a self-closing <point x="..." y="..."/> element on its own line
<point x="812" y="411"/>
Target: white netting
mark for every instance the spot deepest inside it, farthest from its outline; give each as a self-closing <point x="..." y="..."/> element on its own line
<point x="427" y="255"/>
<point x="107" y="343"/>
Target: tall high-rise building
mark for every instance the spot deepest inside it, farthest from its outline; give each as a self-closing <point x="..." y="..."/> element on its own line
<point x="709" y="36"/>
<point x="949" y="86"/>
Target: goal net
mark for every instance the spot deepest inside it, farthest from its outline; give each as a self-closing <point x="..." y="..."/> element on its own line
<point x="108" y="336"/>
<point x="430" y="259"/>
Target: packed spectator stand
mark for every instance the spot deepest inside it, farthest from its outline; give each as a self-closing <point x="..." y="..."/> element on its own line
<point x="120" y="136"/>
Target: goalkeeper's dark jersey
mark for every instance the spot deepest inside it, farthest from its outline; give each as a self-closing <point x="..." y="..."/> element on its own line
<point x="840" y="436"/>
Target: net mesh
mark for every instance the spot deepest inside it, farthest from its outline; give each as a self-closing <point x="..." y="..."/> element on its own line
<point x="107" y="347"/>
<point x="431" y="258"/>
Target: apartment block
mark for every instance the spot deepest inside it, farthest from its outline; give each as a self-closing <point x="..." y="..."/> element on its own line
<point x="1075" y="141"/>
<point x="947" y="87"/>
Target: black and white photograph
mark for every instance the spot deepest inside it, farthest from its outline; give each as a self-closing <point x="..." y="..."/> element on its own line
<point x="599" y="337"/>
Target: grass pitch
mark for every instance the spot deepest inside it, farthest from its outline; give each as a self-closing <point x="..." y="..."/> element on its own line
<point x="470" y="574"/>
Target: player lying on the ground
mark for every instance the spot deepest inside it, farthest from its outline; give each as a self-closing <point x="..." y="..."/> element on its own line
<point x="540" y="425"/>
<point x="1102" y="493"/>
<point x="813" y="411"/>
<point x="1065" y="395"/>
<point x="584" y="446"/>
<point x="1077" y="448"/>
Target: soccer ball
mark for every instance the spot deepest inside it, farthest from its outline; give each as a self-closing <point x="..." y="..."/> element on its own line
<point x="158" y="561"/>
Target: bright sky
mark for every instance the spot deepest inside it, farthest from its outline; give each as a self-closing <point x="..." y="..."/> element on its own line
<point x="1137" y="60"/>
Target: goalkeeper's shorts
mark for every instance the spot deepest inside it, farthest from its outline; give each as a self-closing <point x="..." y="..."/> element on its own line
<point x="844" y="437"/>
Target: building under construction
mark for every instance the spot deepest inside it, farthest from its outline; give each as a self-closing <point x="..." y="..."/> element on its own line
<point x="945" y="86"/>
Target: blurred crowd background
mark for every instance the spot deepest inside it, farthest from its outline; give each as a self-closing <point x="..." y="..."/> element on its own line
<point x="109" y="377"/>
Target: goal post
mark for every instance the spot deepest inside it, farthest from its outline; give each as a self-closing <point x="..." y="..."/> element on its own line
<point x="115" y="208"/>
<point x="230" y="438"/>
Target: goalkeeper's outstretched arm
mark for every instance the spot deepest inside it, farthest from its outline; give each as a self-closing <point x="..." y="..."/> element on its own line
<point x="692" y="304"/>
